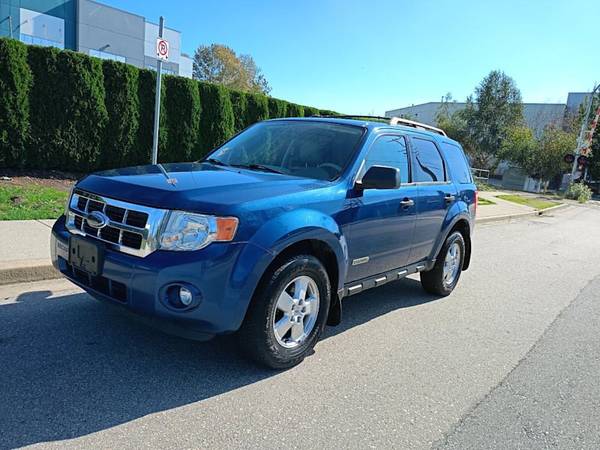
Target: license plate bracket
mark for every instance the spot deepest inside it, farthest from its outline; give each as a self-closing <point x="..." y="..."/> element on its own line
<point x="85" y="255"/>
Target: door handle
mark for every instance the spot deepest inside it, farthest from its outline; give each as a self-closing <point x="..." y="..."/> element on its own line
<point x="407" y="203"/>
<point x="449" y="198"/>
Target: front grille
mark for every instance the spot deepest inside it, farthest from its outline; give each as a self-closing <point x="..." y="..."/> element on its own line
<point x="131" y="228"/>
<point x="106" y="286"/>
<point x="136" y="219"/>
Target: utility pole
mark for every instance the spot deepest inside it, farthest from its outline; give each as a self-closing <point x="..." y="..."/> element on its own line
<point x="159" y="63"/>
<point x="582" y="131"/>
<point x="10" y="26"/>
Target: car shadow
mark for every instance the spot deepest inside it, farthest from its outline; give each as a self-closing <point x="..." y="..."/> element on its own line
<point x="72" y="366"/>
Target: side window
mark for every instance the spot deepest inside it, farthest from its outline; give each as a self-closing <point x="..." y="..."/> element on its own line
<point x="427" y="165"/>
<point x="457" y="162"/>
<point x="389" y="150"/>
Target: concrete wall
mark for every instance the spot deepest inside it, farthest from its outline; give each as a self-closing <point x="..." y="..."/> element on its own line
<point x="111" y="31"/>
<point x="61" y="9"/>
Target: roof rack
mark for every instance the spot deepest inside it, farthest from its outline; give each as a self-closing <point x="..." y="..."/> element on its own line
<point x="395" y="121"/>
<point x="412" y="123"/>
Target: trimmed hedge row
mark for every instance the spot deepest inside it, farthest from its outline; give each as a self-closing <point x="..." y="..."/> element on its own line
<point x="65" y="110"/>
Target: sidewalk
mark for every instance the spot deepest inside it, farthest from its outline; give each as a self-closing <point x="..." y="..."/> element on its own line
<point x="25" y="251"/>
<point x="501" y="207"/>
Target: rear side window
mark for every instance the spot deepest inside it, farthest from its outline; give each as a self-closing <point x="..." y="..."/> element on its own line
<point x="457" y="163"/>
<point x="389" y="150"/>
<point x="428" y="165"/>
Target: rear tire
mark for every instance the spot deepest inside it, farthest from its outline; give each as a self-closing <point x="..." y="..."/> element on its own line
<point x="287" y="314"/>
<point x="442" y="279"/>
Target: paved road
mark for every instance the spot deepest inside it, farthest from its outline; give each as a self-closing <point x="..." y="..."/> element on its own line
<point x="510" y="359"/>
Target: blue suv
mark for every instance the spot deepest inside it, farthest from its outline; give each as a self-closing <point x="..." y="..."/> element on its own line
<point x="267" y="234"/>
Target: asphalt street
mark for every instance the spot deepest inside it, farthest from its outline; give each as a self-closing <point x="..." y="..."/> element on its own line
<point x="510" y="360"/>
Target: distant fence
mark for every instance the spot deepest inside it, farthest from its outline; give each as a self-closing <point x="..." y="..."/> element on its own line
<point x="481" y="174"/>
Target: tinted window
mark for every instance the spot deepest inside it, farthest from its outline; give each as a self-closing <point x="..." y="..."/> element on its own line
<point x="459" y="169"/>
<point x="308" y="149"/>
<point x="428" y="165"/>
<point x="389" y="151"/>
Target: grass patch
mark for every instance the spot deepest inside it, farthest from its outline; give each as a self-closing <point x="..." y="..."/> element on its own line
<point x="533" y="202"/>
<point x="484" y="201"/>
<point x="483" y="186"/>
<point x="31" y="202"/>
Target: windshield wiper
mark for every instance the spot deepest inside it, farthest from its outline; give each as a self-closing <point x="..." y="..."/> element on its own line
<point x="216" y="162"/>
<point x="259" y="167"/>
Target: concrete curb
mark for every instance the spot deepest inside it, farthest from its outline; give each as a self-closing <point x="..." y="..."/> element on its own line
<point x="12" y="272"/>
<point x="540" y="212"/>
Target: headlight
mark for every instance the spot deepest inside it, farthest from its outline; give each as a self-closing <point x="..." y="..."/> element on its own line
<point x="188" y="231"/>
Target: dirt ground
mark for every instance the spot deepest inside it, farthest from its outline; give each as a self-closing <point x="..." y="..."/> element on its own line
<point x="49" y="178"/>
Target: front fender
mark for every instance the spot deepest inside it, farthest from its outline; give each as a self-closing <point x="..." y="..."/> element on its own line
<point x="275" y="236"/>
<point x="303" y="224"/>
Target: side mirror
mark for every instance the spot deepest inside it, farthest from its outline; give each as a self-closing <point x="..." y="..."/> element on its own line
<point x="380" y="177"/>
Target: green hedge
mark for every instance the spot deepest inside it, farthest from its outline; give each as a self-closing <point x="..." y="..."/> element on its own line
<point x="15" y="83"/>
<point x="65" y="110"/>
<point x="217" y="117"/>
<point x="183" y="112"/>
<point x="122" y="106"/>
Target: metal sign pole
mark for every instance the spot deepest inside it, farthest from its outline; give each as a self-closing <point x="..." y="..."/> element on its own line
<point x="159" y="62"/>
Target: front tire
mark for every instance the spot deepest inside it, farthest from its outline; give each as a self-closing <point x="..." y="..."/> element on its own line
<point x="287" y="314"/>
<point x="443" y="278"/>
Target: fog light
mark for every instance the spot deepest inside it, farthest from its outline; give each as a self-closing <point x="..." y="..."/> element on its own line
<point x="185" y="296"/>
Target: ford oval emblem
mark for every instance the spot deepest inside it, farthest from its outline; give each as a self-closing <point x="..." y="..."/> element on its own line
<point x="97" y="220"/>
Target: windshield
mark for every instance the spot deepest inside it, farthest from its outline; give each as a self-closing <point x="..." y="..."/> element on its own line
<point x="318" y="150"/>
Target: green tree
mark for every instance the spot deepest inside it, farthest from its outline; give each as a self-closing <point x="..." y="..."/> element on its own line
<point x="520" y="147"/>
<point x="456" y="124"/>
<point x="219" y="64"/>
<point x="495" y="109"/>
<point x="594" y="157"/>
<point x="548" y="159"/>
<point x="485" y="122"/>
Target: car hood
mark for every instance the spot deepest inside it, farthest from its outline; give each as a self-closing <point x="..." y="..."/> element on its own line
<point x="198" y="187"/>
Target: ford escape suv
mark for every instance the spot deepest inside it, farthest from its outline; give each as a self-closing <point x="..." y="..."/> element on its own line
<point x="267" y="234"/>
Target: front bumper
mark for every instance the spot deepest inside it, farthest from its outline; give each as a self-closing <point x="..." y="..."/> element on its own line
<point x="224" y="274"/>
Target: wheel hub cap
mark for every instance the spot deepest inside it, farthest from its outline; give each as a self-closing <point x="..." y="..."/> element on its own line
<point x="296" y="311"/>
<point x="452" y="264"/>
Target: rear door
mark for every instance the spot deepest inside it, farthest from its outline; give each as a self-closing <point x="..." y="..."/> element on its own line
<point x="380" y="231"/>
<point x="435" y="195"/>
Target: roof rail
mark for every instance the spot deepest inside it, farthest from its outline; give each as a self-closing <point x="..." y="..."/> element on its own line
<point x="395" y="121"/>
<point x="412" y="123"/>
<point x="357" y="116"/>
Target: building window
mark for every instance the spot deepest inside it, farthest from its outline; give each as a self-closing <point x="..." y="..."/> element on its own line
<point x="33" y="40"/>
<point x="105" y="55"/>
<point x="36" y="28"/>
<point x="164" y="70"/>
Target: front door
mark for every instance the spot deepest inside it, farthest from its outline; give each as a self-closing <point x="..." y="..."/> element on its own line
<point x="382" y="221"/>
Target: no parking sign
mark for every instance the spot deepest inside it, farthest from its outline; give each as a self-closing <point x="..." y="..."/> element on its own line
<point x="162" y="49"/>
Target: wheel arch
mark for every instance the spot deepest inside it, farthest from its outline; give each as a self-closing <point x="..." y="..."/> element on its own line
<point x="324" y="252"/>
<point x="463" y="225"/>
